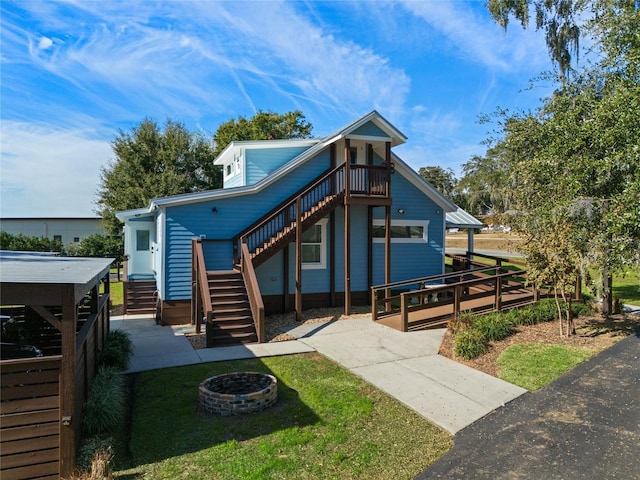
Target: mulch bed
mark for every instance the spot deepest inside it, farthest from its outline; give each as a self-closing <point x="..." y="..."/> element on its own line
<point x="595" y="332"/>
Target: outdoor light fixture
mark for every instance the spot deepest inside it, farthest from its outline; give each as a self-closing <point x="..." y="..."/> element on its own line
<point x="393" y="168"/>
<point x="401" y="211"/>
<point x="214" y="210"/>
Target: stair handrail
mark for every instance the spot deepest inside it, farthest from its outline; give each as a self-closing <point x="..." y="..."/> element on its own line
<point x="202" y="284"/>
<point x="286" y="204"/>
<point x="253" y="292"/>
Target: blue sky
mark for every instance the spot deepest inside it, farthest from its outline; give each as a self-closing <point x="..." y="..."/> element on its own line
<point x="75" y="72"/>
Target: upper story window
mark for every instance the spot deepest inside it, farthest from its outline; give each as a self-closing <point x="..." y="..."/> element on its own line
<point x="228" y="170"/>
<point x="402" y="231"/>
<point x="314" y="246"/>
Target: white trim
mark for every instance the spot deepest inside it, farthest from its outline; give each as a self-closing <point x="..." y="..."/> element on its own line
<point x="323" y="248"/>
<point x="368" y="138"/>
<point x="417" y="223"/>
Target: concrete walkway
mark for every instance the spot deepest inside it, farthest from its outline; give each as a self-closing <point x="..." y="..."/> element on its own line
<point x="404" y="365"/>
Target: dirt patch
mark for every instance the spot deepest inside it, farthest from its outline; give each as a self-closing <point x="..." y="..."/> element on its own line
<point x="595" y="333"/>
<point x="274" y="324"/>
<point x="485" y="241"/>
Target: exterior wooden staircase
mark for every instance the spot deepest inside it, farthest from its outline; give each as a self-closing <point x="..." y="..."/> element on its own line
<point x="231" y="322"/>
<point x="140" y="297"/>
<point x="230" y="300"/>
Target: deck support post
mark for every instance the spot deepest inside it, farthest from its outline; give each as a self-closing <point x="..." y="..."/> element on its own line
<point x="298" y="261"/>
<point x="347" y="259"/>
<point x="68" y="418"/>
<point x="404" y="313"/>
<point x="387" y="254"/>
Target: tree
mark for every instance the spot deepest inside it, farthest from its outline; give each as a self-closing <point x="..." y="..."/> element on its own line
<point x="443" y="180"/>
<point x="487" y="180"/>
<point x="262" y="126"/>
<point x="152" y="163"/>
<point x="576" y="161"/>
<point x="557" y="17"/>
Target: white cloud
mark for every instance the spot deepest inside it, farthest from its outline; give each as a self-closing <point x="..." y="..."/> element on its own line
<point x="45" y="43"/>
<point x="49" y="172"/>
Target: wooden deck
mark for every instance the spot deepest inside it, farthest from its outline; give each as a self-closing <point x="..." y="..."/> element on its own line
<point x="431" y="302"/>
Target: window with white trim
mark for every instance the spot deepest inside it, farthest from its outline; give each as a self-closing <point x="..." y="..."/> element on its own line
<point x="402" y="231"/>
<point x="314" y="246"/>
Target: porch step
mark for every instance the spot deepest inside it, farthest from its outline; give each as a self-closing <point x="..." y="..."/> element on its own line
<point x="232" y="321"/>
<point x="141" y="298"/>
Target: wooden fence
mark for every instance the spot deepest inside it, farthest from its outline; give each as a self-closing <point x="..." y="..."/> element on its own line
<point x="31" y="419"/>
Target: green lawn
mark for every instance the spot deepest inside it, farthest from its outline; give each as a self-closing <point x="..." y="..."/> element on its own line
<point x="327" y="423"/>
<point x="534" y="365"/>
<point x="115" y="290"/>
<point x="627" y="288"/>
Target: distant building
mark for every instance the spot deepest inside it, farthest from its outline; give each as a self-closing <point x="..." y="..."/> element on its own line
<point x="67" y="230"/>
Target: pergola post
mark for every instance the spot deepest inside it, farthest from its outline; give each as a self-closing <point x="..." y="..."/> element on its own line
<point x="68" y="417"/>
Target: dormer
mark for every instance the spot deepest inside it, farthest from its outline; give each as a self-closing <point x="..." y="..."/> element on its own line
<point x="247" y="162"/>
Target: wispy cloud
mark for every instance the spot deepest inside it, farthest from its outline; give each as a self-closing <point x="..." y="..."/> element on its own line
<point x="476" y="38"/>
<point x="47" y="171"/>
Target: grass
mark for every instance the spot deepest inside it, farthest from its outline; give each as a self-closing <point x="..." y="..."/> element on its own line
<point x="116" y="292"/>
<point x="534" y="365"/>
<point x="627" y="288"/>
<point x="327" y="423"/>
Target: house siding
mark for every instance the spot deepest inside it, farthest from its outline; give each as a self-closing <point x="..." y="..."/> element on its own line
<point x="185" y="222"/>
<point x="370" y="129"/>
<point x="261" y="162"/>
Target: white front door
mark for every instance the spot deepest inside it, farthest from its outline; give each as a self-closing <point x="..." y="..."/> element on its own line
<point x="142" y="248"/>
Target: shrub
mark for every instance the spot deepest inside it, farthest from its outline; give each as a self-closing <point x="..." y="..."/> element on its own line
<point x="493" y="326"/>
<point x="469" y="344"/>
<point x="581" y="309"/>
<point x="91" y="452"/>
<point x="461" y="322"/>
<point x="106" y="404"/>
<point x="117" y="350"/>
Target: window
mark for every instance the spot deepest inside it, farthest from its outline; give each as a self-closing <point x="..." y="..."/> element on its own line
<point x="314" y="246"/>
<point x="57" y="238"/>
<point x="142" y="240"/>
<point x="402" y="231"/>
<point x="228" y="170"/>
<point x="76" y="239"/>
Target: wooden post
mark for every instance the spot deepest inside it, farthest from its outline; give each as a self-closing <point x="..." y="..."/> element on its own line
<point x="404" y="312"/>
<point x="68" y="421"/>
<point x="298" y="261"/>
<point x="374" y="304"/>
<point x="457" y="294"/>
<point x="347" y="259"/>
<point x="498" y="300"/>
<point x="387" y="253"/>
<point x="285" y="278"/>
<point x="369" y="250"/>
<point x="125" y="282"/>
<point x="347" y="169"/>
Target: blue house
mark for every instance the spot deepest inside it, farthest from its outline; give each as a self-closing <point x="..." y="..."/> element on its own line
<point x="298" y="224"/>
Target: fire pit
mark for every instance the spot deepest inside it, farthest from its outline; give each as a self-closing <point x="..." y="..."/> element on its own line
<point x="238" y="393"/>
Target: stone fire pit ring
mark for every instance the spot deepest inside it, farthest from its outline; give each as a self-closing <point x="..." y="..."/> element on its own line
<point x="238" y="393"/>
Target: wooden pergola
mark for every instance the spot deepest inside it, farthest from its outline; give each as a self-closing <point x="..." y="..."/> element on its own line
<point x="72" y="295"/>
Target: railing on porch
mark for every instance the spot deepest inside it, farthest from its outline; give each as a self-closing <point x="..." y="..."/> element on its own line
<point x="201" y="304"/>
<point x="431" y="301"/>
<point x="253" y="292"/>
<point x="369" y="180"/>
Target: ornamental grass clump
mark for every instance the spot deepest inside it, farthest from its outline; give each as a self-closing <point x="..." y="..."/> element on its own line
<point x="469" y="343"/>
<point x="493" y="326"/>
<point x="117" y="350"/>
<point x="106" y="404"/>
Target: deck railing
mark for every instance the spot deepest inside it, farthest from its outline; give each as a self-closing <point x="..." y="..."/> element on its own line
<point x="253" y="292"/>
<point x="201" y="304"/>
<point x="430" y="294"/>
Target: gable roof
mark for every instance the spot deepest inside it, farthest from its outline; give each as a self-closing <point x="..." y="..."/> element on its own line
<point x="395" y="137"/>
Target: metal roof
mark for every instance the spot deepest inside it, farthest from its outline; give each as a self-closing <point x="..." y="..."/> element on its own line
<point x="462" y="219"/>
<point x="43" y="268"/>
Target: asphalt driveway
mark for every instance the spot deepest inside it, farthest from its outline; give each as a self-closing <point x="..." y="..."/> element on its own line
<point x="585" y="425"/>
